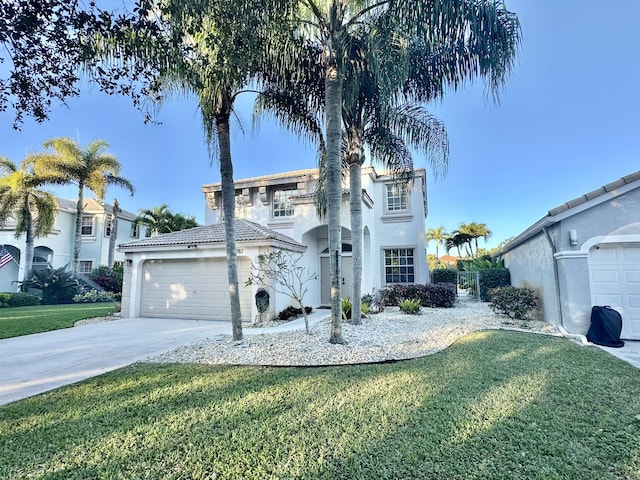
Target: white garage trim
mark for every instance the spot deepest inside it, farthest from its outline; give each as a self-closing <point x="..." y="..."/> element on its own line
<point x="614" y="278"/>
<point x="195" y="289"/>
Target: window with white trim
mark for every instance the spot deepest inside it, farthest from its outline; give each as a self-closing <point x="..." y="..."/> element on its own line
<point x="399" y="266"/>
<point x="281" y="203"/>
<point x="135" y="231"/>
<point x="397" y="197"/>
<point x="87" y="225"/>
<point x="107" y="227"/>
<point x="85" y="267"/>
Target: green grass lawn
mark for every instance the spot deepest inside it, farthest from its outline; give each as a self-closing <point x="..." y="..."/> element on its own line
<point x="495" y="405"/>
<point x="26" y="320"/>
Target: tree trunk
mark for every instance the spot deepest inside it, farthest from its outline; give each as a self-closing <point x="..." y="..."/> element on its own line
<point x="228" y="207"/>
<point x="29" y="247"/>
<point x="114" y="232"/>
<point x="75" y="264"/>
<point x="355" y="187"/>
<point x="333" y="126"/>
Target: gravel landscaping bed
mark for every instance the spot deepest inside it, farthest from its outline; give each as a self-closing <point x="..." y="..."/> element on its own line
<point x="387" y="336"/>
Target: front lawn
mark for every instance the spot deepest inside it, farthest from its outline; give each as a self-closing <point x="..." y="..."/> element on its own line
<point x="26" y="320"/>
<point x="495" y="405"/>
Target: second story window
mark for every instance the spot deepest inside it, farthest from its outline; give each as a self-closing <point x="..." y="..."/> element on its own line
<point x="396" y="198"/>
<point x="107" y="227"/>
<point x="134" y="230"/>
<point x="282" y="206"/>
<point x="87" y="225"/>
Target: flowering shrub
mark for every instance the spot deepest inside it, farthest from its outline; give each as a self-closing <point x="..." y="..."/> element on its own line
<point x="513" y="302"/>
<point x="94" y="296"/>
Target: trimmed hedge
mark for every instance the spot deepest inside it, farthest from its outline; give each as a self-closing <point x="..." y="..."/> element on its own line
<point x="513" y="302"/>
<point x="430" y="295"/>
<point x="18" y="299"/>
<point x="444" y="275"/>
<point x="493" y="278"/>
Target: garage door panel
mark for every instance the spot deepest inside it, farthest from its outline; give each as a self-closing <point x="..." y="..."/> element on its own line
<point x="192" y="289"/>
<point x="615" y="280"/>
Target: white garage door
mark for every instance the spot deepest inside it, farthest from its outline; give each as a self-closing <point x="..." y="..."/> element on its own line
<point x="192" y="289"/>
<point x="615" y="280"/>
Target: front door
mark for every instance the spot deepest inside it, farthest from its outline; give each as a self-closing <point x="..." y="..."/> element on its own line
<point x="325" y="279"/>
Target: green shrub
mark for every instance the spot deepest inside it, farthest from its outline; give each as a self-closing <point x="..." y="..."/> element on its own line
<point x="513" y="302"/>
<point x="364" y="308"/>
<point x="94" y="296"/>
<point x="4" y="299"/>
<point x="444" y="275"/>
<point x="493" y="278"/>
<point x="22" y="299"/>
<point x="347" y="306"/>
<point x="410" y="306"/>
<point x="441" y="295"/>
<point x="109" y="279"/>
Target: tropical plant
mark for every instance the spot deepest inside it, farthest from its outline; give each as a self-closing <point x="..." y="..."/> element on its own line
<point x="90" y="167"/>
<point x="347" y="308"/>
<point x="57" y="286"/>
<point x="439" y="236"/>
<point x="456" y="240"/>
<point x="410" y="306"/>
<point x="224" y="42"/>
<point x="21" y="199"/>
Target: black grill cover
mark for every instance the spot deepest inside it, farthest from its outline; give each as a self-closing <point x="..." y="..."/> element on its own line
<point x="606" y="325"/>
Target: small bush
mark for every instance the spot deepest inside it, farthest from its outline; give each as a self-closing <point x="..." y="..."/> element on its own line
<point x="21" y="299"/>
<point x="364" y="308"/>
<point x="513" y="302"/>
<point x="292" y="312"/>
<point x="94" y="296"/>
<point x="410" y="306"/>
<point x="4" y="299"/>
<point x="441" y="295"/>
<point x="444" y="275"/>
<point x="493" y="278"/>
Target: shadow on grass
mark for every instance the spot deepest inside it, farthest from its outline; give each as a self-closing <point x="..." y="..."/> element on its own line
<point x="494" y="405"/>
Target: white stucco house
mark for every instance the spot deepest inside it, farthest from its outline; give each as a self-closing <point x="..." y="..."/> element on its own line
<point x="183" y="274"/>
<point x="56" y="249"/>
<point x="583" y="253"/>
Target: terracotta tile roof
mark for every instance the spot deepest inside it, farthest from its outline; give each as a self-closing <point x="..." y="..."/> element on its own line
<point x="246" y="231"/>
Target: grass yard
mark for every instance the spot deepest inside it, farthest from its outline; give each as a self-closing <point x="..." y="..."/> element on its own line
<point x="18" y="321"/>
<point x="495" y="405"/>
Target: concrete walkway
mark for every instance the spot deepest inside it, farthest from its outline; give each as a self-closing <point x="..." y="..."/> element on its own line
<point x="629" y="353"/>
<point x="33" y="364"/>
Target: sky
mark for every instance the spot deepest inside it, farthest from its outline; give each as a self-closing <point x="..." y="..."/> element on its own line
<point x="567" y="122"/>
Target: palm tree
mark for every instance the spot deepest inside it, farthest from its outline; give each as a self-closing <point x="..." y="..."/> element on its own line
<point x="91" y="168"/>
<point x="456" y="240"/>
<point x="33" y="209"/>
<point x="438" y="235"/>
<point x="223" y="43"/>
<point x="474" y="231"/>
<point x="155" y="219"/>
<point x="330" y="24"/>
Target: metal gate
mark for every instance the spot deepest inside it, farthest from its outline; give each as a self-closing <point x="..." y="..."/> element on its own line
<point x="468" y="286"/>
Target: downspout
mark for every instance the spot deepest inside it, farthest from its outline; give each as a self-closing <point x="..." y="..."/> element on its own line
<point x="556" y="280"/>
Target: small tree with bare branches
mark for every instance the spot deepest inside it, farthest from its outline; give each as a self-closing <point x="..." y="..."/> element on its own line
<point x="281" y="271"/>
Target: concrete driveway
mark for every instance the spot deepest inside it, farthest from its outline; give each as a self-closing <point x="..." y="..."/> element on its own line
<point x="37" y="363"/>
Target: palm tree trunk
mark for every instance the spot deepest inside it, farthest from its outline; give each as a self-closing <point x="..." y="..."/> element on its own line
<point x="77" y="242"/>
<point x="355" y="206"/>
<point x="29" y="247"/>
<point x="333" y="126"/>
<point x="228" y="207"/>
<point x="114" y="233"/>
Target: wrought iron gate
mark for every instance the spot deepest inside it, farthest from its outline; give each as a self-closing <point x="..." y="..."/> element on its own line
<point x="468" y="286"/>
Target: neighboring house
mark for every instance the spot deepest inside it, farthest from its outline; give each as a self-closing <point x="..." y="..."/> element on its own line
<point x="56" y="249"/>
<point x="449" y="261"/>
<point x="585" y="252"/>
<point x="183" y="275"/>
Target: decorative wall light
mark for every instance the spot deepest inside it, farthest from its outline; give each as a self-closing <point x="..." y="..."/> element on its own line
<point x="573" y="238"/>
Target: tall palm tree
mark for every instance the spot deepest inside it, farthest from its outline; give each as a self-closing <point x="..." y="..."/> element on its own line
<point x="330" y="24"/>
<point x="438" y="235"/>
<point x="155" y="219"/>
<point x="21" y="198"/>
<point x="474" y="231"/>
<point x="90" y="167"/>
<point x="220" y="44"/>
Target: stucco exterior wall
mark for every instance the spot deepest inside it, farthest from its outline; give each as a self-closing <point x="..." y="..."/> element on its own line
<point x="531" y="265"/>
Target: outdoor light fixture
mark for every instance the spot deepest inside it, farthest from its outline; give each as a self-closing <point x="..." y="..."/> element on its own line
<point x="129" y="262"/>
<point x="573" y="237"/>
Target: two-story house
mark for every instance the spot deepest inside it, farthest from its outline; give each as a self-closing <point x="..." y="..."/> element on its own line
<point x="183" y="274"/>
<point x="56" y="249"/>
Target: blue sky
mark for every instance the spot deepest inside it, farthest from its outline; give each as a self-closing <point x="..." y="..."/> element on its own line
<point x="567" y="122"/>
